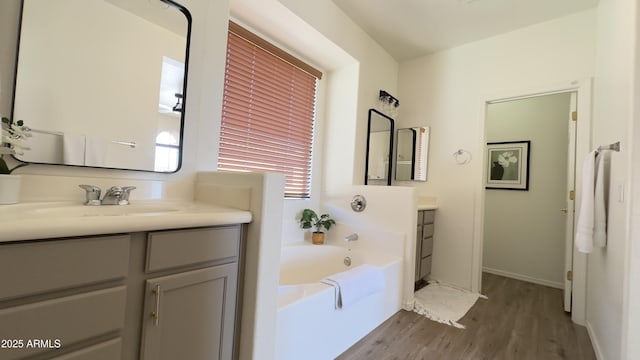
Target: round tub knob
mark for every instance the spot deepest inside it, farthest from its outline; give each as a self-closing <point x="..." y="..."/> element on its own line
<point x="358" y="203"/>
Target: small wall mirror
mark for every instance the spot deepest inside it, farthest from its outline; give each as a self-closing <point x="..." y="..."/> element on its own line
<point x="412" y="154"/>
<point x="379" y="147"/>
<point x="102" y="83"/>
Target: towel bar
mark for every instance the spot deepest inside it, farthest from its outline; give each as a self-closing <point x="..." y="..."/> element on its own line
<point x="131" y="144"/>
<point x="615" y="147"/>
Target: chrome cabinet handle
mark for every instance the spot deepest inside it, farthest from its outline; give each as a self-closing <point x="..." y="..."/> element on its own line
<point x="566" y="211"/>
<point x="156" y="308"/>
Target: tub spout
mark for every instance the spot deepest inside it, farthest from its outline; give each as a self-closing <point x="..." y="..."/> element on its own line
<point x="352" y="237"/>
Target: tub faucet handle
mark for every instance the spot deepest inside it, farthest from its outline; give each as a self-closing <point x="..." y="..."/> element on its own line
<point x="352" y="237"/>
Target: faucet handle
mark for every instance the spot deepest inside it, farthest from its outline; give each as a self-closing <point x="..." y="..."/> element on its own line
<point x="92" y="194"/>
<point x="126" y="191"/>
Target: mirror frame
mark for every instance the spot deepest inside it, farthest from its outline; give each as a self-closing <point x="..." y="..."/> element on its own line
<point x="413" y="153"/>
<point x="189" y="19"/>
<point x="414" y="149"/>
<point x="390" y="155"/>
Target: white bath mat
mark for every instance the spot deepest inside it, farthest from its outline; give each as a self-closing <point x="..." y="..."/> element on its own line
<point x="444" y="304"/>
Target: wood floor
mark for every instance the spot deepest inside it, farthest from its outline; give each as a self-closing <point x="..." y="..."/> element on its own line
<point x="519" y="321"/>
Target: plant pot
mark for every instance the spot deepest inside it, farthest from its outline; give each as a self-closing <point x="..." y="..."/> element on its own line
<point x="9" y="189"/>
<point x="317" y="238"/>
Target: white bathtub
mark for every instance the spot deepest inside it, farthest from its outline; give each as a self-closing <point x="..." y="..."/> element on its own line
<point x="309" y="327"/>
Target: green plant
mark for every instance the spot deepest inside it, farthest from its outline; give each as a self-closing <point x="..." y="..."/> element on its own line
<point x="12" y="142"/>
<point x="310" y="219"/>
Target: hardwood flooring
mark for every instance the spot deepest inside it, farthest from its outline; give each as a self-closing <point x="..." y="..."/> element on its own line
<point x="519" y="321"/>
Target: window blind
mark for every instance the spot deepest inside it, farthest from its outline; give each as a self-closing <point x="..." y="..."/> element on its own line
<point x="267" y="115"/>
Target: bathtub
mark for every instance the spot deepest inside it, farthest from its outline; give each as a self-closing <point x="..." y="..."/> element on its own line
<point x="308" y="324"/>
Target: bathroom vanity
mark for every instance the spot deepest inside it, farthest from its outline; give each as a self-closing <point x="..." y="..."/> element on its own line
<point x="154" y="294"/>
<point x="424" y="243"/>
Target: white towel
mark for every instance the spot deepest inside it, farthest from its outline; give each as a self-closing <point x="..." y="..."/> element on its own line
<point x="601" y="195"/>
<point x="592" y="217"/>
<point x="73" y="146"/>
<point x="354" y="284"/>
<point x="95" y="152"/>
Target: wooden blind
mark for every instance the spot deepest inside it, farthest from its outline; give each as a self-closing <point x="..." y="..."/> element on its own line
<point x="267" y="115"/>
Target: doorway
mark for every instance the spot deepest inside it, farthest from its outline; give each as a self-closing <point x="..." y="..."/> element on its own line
<point x="527" y="229"/>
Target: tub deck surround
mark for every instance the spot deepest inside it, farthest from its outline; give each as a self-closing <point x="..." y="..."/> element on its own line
<point x="38" y="220"/>
<point x="309" y="326"/>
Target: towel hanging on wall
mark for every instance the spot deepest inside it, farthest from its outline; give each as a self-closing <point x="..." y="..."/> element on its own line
<point x="592" y="214"/>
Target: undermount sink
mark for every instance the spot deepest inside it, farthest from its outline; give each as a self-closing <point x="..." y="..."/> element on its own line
<point x="75" y="210"/>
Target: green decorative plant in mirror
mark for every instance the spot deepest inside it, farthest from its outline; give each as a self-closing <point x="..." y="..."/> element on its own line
<point x="13" y="142"/>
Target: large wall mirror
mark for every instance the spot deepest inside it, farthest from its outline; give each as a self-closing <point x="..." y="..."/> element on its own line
<point x="379" y="147"/>
<point x="412" y="154"/>
<point x="102" y="83"/>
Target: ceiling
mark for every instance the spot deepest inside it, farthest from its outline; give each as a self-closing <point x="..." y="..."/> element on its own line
<point x="410" y="28"/>
<point x="156" y="12"/>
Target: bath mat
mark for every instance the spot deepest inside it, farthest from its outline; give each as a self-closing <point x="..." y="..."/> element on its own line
<point x="444" y="304"/>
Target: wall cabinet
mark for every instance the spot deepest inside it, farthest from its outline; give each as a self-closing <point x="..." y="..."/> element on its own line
<point x="152" y="295"/>
<point x="424" y="243"/>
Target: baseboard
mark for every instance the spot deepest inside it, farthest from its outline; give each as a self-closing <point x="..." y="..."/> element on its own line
<point x="594" y="342"/>
<point x="526" y="278"/>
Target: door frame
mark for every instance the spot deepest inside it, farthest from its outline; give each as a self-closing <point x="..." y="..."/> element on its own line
<point x="583" y="88"/>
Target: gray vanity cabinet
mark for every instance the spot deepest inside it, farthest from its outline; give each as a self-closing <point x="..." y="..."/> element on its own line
<point x="147" y="295"/>
<point x="191" y="314"/>
<point x="424" y="243"/>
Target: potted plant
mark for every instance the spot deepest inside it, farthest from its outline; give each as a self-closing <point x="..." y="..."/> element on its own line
<point x="12" y="142"/>
<point x="310" y="219"/>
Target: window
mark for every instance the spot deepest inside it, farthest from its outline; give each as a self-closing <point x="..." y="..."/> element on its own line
<point x="268" y="112"/>
<point x="167" y="152"/>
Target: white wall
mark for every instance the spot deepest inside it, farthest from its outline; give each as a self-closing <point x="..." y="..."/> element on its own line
<point x="386" y="225"/>
<point x="353" y="90"/>
<point x="631" y="326"/>
<point x="9" y="17"/>
<point x="447" y="91"/>
<point x="524" y="231"/>
<point x="613" y="109"/>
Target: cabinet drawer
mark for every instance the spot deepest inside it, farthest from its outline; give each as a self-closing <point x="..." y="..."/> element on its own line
<point x="420" y="217"/>
<point x="427" y="231"/>
<point x="107" y="350"/>
<point x="69" y="319"/>
<point x="429" y="216"/>
<point x="175" y="248"/>
<point x="425" y="266"/>
<point x="51" y="265"/>
<point x="427" y="246"/>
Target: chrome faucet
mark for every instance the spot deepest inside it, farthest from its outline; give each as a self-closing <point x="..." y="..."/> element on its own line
<point x="352" y="237"/>
<point x="116" y="195"/>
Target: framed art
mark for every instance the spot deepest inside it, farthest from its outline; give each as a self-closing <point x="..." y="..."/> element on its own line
<point x="508" y="165"/>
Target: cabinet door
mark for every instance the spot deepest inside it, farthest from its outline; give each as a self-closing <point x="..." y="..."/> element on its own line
<point x="190" y="315"/>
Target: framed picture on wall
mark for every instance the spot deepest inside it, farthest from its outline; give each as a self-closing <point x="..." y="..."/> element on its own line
<point x="508" y="165"/>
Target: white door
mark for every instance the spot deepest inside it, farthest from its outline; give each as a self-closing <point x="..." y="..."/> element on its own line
<point x="570" y="208"/>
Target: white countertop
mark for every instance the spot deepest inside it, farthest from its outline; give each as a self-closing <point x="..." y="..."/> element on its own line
<point x="427" y="206"/>
<point x="45" y="220"/>
<point x="427" y="203"/>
